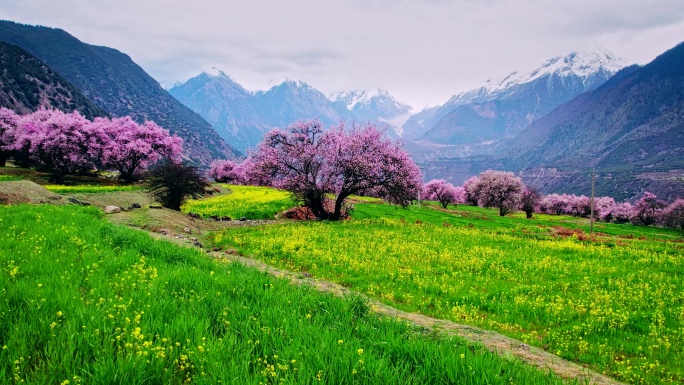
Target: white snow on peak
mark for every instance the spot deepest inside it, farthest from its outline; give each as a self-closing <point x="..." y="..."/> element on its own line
<point x="169" y="85"/>
<point x="358" y="97"/>
<point x="581" y="64"/>
<point x="218" y="73"/>
<point x="295" y="83"/>
<point x="397" y="123"/>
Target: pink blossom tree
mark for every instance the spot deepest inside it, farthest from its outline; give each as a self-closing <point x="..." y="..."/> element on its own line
<point x="622" y="212"/>
<point x="580" y="205"/>
<point x="499" y="189"/>
<point x="470" y="187"/>
<point x="460" y="194"/>
<point x="673" y="215"/>
<point x="530" y="201"/>
<point x="647" y="209"/>
<point x="248" y="173"/>
<point x="603" y="207"/>
<point x="310" y="162"/>
<point x="132" y="146"/>
<point x="58" y="142"/>
<point x="555" y="204"/>
<point x="8" y="129"/>
<point x="224" y="171"/>
<point x="441" y="191"/>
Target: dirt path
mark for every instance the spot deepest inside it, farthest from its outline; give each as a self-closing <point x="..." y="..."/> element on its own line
<point x="175" y="223"/>
<point x="493" y="341"/>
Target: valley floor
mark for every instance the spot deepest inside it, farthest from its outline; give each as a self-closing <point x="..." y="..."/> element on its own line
<point x="609" y="302"/>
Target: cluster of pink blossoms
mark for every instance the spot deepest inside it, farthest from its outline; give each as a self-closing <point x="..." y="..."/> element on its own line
<point x="67" y="143"/>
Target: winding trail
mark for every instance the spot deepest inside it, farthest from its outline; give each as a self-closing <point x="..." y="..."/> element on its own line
<point x="495" y="342"/>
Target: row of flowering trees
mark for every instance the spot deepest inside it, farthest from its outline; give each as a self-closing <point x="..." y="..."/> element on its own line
<point x="313" y="164"/>
<point x="67" y="143"/>
<point x="505" y="191"/>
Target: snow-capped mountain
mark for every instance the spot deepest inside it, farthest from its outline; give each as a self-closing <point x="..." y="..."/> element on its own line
<point x="501" y="108"/>
<point x="372" y="104"/>
<point x="242" y="117"/>
<point x="376" y="105"/>
<point x="233" y="111"/>
<point x="292" y="100"/>
<point x="589" y="68"/>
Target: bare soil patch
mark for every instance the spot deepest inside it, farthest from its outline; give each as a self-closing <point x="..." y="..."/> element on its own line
<point x="23" y="191"/>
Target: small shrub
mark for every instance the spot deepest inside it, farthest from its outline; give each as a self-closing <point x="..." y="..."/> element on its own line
<point x="171" y="183"/>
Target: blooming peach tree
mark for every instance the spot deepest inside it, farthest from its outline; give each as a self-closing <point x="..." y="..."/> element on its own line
<point x="499" y="189"/>
<point x="8" y="127"/>
<point x="132" y="147"/>
<point x="64" y="143"/>
<point x="224" y="171"/>
<point x="60" y="143"/>
<point x="444" y="193"/>
<point x="311" y="163"/>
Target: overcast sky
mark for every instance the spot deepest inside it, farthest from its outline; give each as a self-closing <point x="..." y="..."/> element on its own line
<point x="421" y="51"/>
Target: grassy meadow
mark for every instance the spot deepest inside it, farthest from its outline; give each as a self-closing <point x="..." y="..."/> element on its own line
<point x="243" y="201"/>
<point x="83" y="301"/>
<point x="7" y="178"/>
<point x="614" y="302"/>
<point x="90" y="188"/>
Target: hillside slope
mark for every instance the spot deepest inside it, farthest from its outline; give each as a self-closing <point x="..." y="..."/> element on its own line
<point x="631" y="127"/>
<point x="119" y="86"/>
<point x="27" y="84"/>
<point x="501" y="108"/>
<point x="243" y="117"/>
<point x="630" y="130"/>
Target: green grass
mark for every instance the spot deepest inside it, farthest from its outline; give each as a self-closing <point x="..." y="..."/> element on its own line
<point x="89" y="188"/>
<point x="616" y="303"/>
<point x="88" y="302"/>
<point x="243" y="201"/>
<point x="540" y="226"/>
<point x="6" y="178"/>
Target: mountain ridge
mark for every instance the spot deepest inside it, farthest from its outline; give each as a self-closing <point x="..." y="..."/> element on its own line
<point x="630" y="130"/>
<point x="500" y="109"/>
<point x="27" y="84"/>
<point x="113" y="82"/>
<point x="243" y="117"/>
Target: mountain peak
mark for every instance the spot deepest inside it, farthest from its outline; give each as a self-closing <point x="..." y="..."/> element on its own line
<point x="218" y="73"/>
<point x="294" y="83"/>
<point x="583" y="65"/>
<point x="210" y="77"/>
<point x="359" y="98"/>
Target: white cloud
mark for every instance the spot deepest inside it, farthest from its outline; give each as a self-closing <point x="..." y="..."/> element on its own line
<point x="421" y="51"/>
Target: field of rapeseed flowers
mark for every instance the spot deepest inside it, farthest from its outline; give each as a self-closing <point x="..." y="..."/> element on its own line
<point x="250" y="202"/>
<point x="616" y="303"/>
<point x="83" y="301"/>
<point x="87" y="189"/>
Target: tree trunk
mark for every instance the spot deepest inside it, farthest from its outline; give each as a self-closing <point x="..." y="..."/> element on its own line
<point x="317" y="207"/>
<point x="338" y="207"/>
<point x="128" y="176"/>
<point x="3" y="160"/>
<point x="56" y="178"/>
